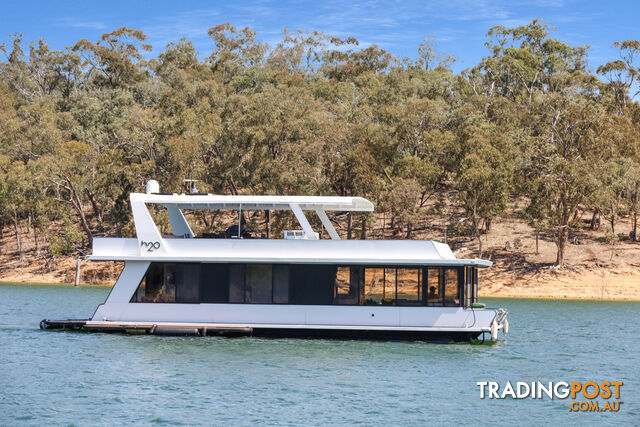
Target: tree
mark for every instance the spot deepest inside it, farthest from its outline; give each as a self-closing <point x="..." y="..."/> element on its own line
<point x="70" y="175"/>
<point x="115" y="60"/>
<point x="623" y="73"/>
<point x="234" y="50"/>
<point x="565" y="151"/>
<point x="484" y="177"/>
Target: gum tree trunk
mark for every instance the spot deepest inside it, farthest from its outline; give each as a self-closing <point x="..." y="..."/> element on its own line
<point x="17" y="230"/>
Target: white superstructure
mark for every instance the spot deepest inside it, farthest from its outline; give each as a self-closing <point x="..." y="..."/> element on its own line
<point x="302" y="286"/>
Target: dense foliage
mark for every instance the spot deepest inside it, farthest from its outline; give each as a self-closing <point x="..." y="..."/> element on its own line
<point x="83" y="127"/>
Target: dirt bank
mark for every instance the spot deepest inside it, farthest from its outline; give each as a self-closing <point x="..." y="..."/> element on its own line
<point x="595" y="285"/>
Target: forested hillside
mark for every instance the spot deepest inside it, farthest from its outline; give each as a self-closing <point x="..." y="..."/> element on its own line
<point x="530" y="130"/>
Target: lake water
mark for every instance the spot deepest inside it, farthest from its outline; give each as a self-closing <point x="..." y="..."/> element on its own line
<point x="80" y="378"/>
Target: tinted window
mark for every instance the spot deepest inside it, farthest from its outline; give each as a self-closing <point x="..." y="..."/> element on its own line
<point x="409" y="285"/>
<point x="468" y="286"/>
<point x="214" y="284"/>
<point x="373" y="286"/>
<point x="306" y="284"/>
<point x="347" y="285"/>
<point x="187" y="278"/>
<point x="171" y="282"/>
<point x="236" y="283"/>
<point x="169" y="288"/>
<point x="258" y="283"/>
<point x="474" y="280"/>
<point x="280" y="284"/>
<point x="451" y="288"/>
<point x="151" y="287"/>
<point x="434" y="286"/>
<point x="312" y="284"/>
<point x="389" y="290"/>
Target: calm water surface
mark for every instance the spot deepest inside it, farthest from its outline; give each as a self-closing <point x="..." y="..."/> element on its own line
<point x="79" y="378"/>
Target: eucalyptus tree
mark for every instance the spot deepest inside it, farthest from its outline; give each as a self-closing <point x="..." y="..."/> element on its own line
<point x="235" y="49"/>
<point x="623" y="73"/>
<point x="115" y="60"/>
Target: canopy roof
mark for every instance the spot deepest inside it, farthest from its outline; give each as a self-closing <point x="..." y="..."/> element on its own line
<point x="217" y="201"/>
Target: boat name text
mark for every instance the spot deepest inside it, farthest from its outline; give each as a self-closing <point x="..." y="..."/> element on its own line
<point x="151" y="246"/>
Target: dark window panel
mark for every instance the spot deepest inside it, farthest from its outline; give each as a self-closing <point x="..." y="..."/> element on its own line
<point x="259" y="283"/>
<point x="280" y="284"/>
<point x="236" y="283"/>
<point x="451" y="288"/>
<point x="435" y="282"/>
<point x="214" y="283"/>
<point x="312" y="284"/>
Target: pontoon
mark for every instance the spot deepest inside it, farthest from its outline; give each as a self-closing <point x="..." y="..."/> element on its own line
<point x="298" y="286"/>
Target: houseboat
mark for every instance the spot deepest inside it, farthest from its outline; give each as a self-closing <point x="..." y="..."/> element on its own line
<point x="297" y="286"/>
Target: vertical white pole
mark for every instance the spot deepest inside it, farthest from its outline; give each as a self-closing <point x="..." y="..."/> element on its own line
<point x="77" y="278"/>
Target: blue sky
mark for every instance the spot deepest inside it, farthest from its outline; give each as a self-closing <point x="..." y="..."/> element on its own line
<point x="459" y="26"/>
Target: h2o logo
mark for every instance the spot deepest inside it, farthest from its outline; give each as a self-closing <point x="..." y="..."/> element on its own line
<point x="151" y="246"/>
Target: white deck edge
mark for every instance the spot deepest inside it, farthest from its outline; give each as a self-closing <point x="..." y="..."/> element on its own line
<point x="133" y="324"/>
<point x="275" y="260"/>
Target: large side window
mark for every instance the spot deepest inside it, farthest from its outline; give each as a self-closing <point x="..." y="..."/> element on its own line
<point x="214" y="284"/>
<point x="451" y="288"/>
<point x="259" y="283"/>
<point x="374" y="289"/>
<point x="236" y="283"/>
<point x="311" y="284"/>
<point x="169" y="288"/>
<point x="347" y="285"/>
<point x="280" y="284"/>
<point x="389" y="290"/>
<point x="170" y="282"/>
<point x="434" y="286"/>
<point x="409" y="285"/>
<point x="151" y="287"/>
<point x="187" y="278"/>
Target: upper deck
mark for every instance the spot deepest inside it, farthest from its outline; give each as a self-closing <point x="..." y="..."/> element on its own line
<point x="352" y="252"/>
<point x="181" y="245"/>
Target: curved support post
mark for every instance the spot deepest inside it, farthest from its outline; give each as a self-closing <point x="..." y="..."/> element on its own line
<point x="179" y="225"/>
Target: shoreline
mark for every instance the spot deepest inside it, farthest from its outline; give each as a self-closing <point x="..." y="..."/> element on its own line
<point x="530" y="293"/>
<point x="553" y="298"/>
